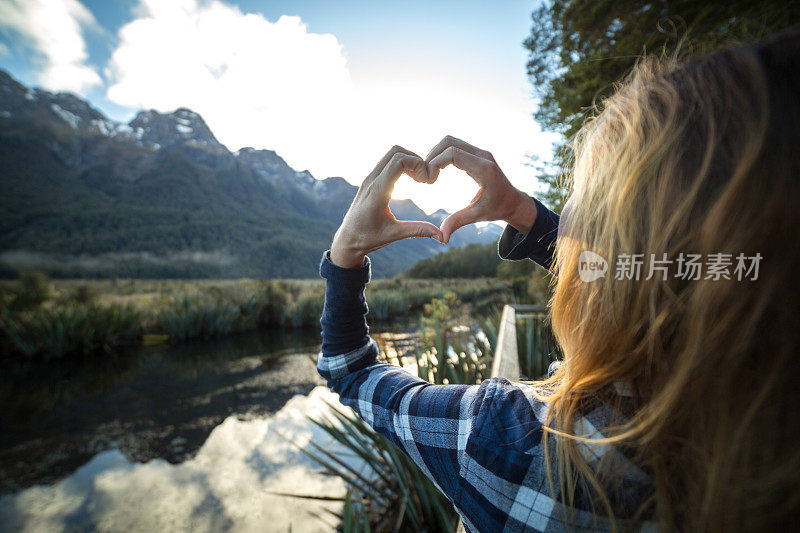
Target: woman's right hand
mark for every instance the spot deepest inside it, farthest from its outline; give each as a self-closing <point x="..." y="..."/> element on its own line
<point x="497" y="199"/>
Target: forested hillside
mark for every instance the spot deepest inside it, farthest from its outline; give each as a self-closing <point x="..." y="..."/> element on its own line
<point x="84" y="196"/>
<point x="473" y="261"/>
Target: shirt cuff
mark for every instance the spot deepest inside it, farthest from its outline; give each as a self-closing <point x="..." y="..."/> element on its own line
<point x="538" y="244"/>
<point x="350" y="276"/>
<point x="343" y="321"/>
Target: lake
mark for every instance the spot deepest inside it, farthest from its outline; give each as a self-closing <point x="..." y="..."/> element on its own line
<point x="189" y="437"/>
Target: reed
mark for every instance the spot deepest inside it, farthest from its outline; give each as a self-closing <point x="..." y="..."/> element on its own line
<point x="306" y="310"/>
<point x="69" y="330"/>
<point x="191" y="317"/>
<point x="536" y="345"/>
<point x="38" y="314"/>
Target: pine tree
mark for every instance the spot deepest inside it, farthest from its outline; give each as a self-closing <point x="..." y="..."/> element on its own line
<point x="580" y="48"/>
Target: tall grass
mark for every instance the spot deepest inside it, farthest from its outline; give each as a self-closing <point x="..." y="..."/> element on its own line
<point x="306" y="311"/>
<point x="444" y="358"/>
<point x="68" y="330"/>
<point x="536" y="345"/>
<point x="191" y="317"/>
<point x="44" y="318"/>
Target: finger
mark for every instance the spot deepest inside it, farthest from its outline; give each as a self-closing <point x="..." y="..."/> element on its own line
<point x="478" y="168"/>
<point x="459" y="219"/>
<point x="405" y="229"/>
<point x="449" y="141"/>
<point x="396" y="149"/>
<point x="399" y="164"/>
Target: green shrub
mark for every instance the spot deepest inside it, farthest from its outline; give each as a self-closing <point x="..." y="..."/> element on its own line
<point x="307" y="310"/>
<point x="190" y="317"/>
<point x="536" y="345"/>
<point x="34" y="290"/>
<point x="388" y="304"/>
<point x="274" y="303"/>
<point x="391" y="493"/>
<point x="84" y="294"/>
<point x="68" y="330"/>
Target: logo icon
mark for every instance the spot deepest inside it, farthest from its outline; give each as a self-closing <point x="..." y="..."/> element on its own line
<point x="591" y="266"/>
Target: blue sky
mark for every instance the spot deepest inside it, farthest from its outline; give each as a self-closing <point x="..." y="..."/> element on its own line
<point x="328" y="85"/>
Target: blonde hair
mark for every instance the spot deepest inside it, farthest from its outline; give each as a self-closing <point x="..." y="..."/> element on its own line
<point x="699" y="158"/>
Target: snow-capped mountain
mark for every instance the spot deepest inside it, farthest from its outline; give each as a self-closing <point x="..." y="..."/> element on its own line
<point x="86" y="195"/>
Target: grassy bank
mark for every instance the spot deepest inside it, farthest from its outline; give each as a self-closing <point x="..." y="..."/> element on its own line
<point x="42" y="318"/>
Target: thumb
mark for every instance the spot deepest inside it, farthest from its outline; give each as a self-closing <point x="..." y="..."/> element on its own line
<point x="459" y="219"/>
<point x="406" y="228"/>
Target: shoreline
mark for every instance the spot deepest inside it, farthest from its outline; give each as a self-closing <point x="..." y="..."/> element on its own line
<point x="42" y="319"/>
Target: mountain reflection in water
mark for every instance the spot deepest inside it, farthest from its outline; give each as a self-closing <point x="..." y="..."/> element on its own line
<point x="169" y="438"/>
<point x="225" y="486"/>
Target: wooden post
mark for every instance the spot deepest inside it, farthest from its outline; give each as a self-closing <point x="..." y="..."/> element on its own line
<point x="506" y="359"/>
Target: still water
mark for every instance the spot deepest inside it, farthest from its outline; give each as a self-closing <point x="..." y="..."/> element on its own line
<point x="170" y="438"/>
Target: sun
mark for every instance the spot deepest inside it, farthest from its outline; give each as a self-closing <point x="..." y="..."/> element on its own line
<point x="452" y="191"/>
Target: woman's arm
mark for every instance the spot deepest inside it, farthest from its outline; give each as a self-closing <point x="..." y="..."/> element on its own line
<point x="537" y="244"/>
<point x="452" y="432"/>
<point x="419" y="418"/>
<point x="433" y="424"/>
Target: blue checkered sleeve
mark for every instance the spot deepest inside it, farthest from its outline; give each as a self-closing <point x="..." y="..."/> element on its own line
<point x="429" y="423"/>
<point x="463" y="437"/>
<point x="480" y="444"/>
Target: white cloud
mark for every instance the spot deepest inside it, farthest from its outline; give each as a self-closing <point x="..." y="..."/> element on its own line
<point x="257" y="83"/>
<point x="276" y="85"/>
<point x="54" y="29"/>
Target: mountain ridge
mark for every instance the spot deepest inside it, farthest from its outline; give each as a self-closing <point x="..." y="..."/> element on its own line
<point x="160" y="196"/>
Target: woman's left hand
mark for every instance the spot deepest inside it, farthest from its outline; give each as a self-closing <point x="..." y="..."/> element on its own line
<point x="369" y="225"/>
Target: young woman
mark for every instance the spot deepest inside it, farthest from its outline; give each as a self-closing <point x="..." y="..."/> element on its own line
<point x="673" y="408"/>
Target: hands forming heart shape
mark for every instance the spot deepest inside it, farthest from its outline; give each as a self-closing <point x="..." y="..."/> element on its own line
<point x="369" y="224"/>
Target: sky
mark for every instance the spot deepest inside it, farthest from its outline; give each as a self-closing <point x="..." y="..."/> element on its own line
<point x="330" y="86"/>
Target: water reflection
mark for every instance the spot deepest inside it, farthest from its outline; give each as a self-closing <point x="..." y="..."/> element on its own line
<point x="225" y="487"/>
<point x="152" y="402"/>
<point x="188" y="437"/>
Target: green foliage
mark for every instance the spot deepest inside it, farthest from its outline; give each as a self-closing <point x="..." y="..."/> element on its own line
<point x="261" y="303"/>
<point x="517" y="269"/>
<point x="391" y="493"/>
<point x="530" y="282"/>
<point x="395" y="298"/>
<point x="68" y="330"/>
<point x="195" y="316"/>
<point x="387" y="304"/>
<point x="307" y="310"/>
<point x="446" y="358"/>
<point x="84" y="294"/>
<point x="34" y="290"/>
<point x="580" y="48"/>
<point x="472" y="261"/>
<point x="175" y="311"/>
<point x="536" y="345"/>
<point x="438" y="311"/>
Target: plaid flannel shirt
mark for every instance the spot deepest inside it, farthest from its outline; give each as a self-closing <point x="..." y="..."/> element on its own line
<point x="480" y="444"/>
